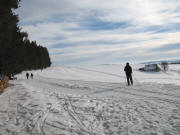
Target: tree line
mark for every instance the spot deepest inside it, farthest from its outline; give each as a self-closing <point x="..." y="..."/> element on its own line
<point x="17" y="52"/>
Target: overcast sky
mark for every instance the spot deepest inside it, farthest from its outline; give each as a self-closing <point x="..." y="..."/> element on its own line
<point x="103" y="31"/>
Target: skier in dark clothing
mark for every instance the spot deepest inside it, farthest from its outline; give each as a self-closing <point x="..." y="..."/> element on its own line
<point x="128" y="71"/>
<point x="31" y="75"/>
<point x="27" y="75"/>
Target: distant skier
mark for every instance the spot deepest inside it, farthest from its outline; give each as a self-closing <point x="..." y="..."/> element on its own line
<point x="128" y="71"/>
<point x="27" y="75"/>
<point x="32" y="75"/>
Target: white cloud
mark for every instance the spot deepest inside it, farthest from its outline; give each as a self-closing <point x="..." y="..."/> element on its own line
<point x="138" y="11"/>
<point x="60" y="22"/>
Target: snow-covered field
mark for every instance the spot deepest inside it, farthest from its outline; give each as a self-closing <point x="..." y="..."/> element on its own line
<point x="92" y="100"/>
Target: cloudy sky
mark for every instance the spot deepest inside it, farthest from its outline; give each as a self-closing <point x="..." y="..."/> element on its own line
<point x="103" y="31"/>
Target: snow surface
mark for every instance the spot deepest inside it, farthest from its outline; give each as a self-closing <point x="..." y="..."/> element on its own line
<point x="92" y="100"/>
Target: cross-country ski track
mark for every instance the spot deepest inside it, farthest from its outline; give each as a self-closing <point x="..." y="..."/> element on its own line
<point x="72" y="106"/>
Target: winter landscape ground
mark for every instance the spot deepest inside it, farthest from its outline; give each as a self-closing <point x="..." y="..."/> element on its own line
<point x="92" y="100"/>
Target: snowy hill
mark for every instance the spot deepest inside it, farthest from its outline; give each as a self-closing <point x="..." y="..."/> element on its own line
<point x="109" y="73"/>
<point x="176" y="61"/>
<point x="92" y="100"/>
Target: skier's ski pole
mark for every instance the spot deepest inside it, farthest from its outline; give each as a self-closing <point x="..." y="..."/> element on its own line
<point x="125" y="80"/>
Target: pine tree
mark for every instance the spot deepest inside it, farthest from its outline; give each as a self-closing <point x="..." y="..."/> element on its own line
<point x="17" y="53"/>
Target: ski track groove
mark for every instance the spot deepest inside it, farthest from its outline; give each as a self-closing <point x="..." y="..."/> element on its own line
<point x="103" y="89"/>
<point x="125" y="90"/>
<point x="101" y="72"/>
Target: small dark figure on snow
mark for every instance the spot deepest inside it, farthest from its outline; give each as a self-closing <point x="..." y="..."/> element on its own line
<point x="128" y="71"/>
<point x="27" y="75"/>
<point x="31" y="75"/>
